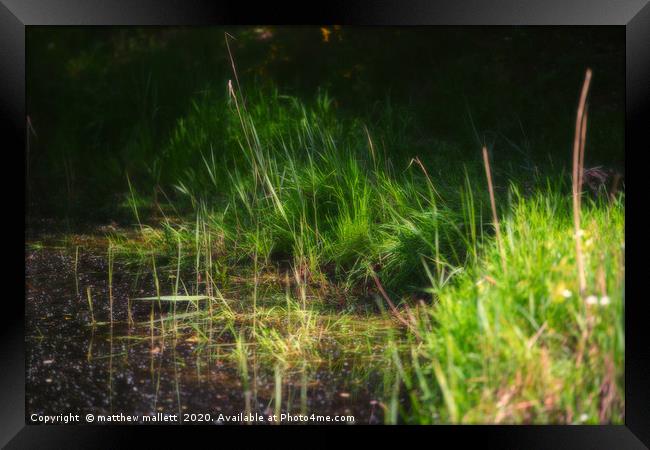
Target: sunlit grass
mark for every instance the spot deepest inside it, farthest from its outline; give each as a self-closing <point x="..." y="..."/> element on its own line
<point x="303" y="238"/>
<point x="521" y="344"/>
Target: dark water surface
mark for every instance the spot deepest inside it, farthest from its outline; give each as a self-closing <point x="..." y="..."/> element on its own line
<point x="73" y="367"/>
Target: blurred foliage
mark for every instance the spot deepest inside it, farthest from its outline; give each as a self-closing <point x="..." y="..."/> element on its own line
<point x="105" y="102"/>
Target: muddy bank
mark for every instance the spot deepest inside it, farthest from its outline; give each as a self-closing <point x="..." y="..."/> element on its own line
<point x="75" y="367"/>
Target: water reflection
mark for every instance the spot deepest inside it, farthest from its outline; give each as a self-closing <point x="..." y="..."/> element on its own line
<point x="114" y="366"/>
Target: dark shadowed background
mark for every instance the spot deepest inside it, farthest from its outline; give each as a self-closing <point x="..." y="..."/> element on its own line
<point x="103" y="102"/>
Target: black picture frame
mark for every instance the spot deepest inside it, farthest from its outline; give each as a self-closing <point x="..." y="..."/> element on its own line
<point x="634" y="15"/>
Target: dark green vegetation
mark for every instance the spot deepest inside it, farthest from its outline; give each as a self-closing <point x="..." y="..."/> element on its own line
<point x="325" y="189"/>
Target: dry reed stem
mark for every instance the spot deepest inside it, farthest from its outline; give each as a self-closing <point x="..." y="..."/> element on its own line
<point x="394" y="309"/>
<point x="233" y="94"/>
<point x="370" y="145"/>
<point x="495" y="218"/>
<point x="581" y="159"/>
<point x="232" y="63"/>
<point x="578" y="160"/>
<point x="417" y="161"/>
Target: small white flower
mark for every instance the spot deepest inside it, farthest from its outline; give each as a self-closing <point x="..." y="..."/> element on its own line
<point x="566" y="293"/>
<point x="604" y="300"/>
<point x="592" y="300"/>
<point x="583" y="417"/>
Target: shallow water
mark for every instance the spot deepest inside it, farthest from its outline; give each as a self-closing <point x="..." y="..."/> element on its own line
<point x="73" y="367"/>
